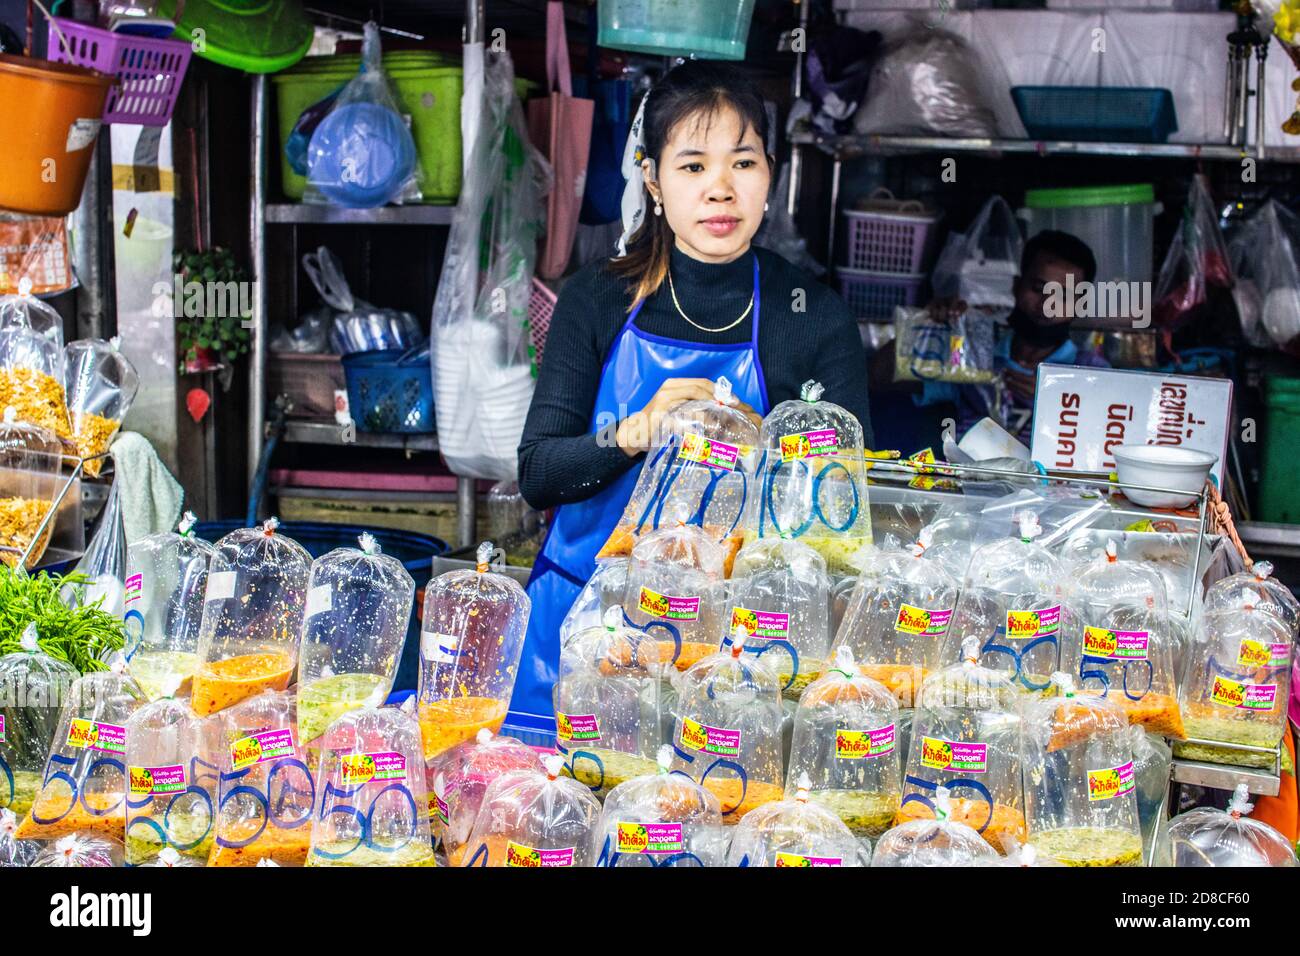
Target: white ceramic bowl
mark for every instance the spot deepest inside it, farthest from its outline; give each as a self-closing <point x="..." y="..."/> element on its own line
<point x="1183" y="470"/>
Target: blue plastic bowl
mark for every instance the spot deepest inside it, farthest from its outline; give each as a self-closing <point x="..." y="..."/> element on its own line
<point x="360" y="155"/>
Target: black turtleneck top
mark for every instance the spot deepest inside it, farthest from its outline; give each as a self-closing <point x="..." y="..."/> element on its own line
<point x="805" y="332"/>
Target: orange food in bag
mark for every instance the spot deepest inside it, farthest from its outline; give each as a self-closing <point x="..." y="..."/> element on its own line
<point x="901" y="680"/>
<point x="1006" y="822"/>
<point x="691" y="652"/>
<point x="622" y="539"/>
<point x="220" y="684"/>
<point x="728" y="792"/>
<point x="445" y="723"/>
<point x="1072" y="723"/>
<point x="1155" y="713"/>
<point x="285" y="847"/>
<point x="53" y="801"/>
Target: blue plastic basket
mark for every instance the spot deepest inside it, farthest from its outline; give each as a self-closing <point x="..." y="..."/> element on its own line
<point x="1096" y="114"/>
<point x="390" y="390"/>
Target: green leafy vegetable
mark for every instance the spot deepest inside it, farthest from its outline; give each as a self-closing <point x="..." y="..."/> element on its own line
<point x="83" y="636"/>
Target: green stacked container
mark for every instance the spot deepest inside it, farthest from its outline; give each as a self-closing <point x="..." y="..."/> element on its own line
<point x="1279" y="501"/>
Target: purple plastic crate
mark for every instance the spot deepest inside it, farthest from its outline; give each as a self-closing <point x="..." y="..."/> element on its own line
<point x="873" y="296"/>
<point x="149" y="71"/>
<point x="889" y="241"/>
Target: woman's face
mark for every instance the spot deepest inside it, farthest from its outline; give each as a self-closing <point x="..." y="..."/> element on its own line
<point x="713" y="184"/>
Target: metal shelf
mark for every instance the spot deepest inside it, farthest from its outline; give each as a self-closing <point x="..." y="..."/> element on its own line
<point x="1265" y="783"/>
<point x="309" y="214"/>
<point x="328" y="433"/>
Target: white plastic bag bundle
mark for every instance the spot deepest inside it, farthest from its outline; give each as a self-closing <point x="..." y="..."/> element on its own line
<point x="1264" y="256"/>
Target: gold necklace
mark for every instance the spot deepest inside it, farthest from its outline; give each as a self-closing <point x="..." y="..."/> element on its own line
<point x="725" y="328"/>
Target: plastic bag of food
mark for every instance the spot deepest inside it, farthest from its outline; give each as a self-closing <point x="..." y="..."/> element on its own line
<point x="373" y="810"/>
<point x="1123" y="646"/>
<point x="1237" y="684"/>
<point x="794" y="832"/>
<point x="603" y="590"/>
<point x="1197" y="258"/>
<point x="700" y="471"/>
<point x="474" y="626"/>
<point x="727" y="729"/>
<point x="779" y="593"/>
<point x="610" y="703"/>
<point x="80" y="850"/>
<point x="965" y="739"/>
<point x="812" y="483"/>
<point x="1011" y="601"/>
<point x="31" y="380"/>
<point x="166" y="580"/>
<point x="84" y="786"/>
<point x="171" y="792"/>
<point x="928" y="350"/>
<point x="14" y="852"/>
<point x="898" y="620"/>
<point x="30" y="461"/>
<point x="1268" y="285"/>
<point x="458" y="778"/>
<point x="534" y="819"/>
<point x="1080" y="788"/>
<point x="937" y="841"/>
<point x="252" y="617"/>
<point x="662" y="820"/>
<point x="1152" y="764"/>
<point x="980" y="265"/>
<point x="512" y="522"/>
<point x="25" y="311"/>
<point x="845" y="745"/>
<point x="266" y="789"/>
<point x="1208" y="836"/>
<point x="101" y="385"/>
<point x="33" y="686"/>
<point x="358" y="608"/>
<point x="1271" y="594"/>
<point x="676" y="592"/>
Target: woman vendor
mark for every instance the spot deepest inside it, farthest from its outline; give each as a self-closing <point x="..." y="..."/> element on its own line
<point x="692" y="299"/>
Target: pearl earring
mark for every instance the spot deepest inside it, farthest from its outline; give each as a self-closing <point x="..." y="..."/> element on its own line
<point x="659" y="209"/>
<point x="765" y="207"/>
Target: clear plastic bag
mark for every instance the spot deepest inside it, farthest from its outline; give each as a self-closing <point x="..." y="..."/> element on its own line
<point x="267" y="789"/>
<point x="1265" y="252"/>
<point x="26" y="311"/>
<point x="14" y="853"/>
<point x="252" y="617"/>
<point x="101" y="385"/>
<point x="358" y="609"/>
<point x="80" y="850"/>
<point x="966" y="739"/>
<point x="779" y="592"/>
<point x="459" y="778"/>
<point x="980" y="265"/>
<point x="846" y="747"/>
<point x="474" y="626"/>
<point x="31" y="380"/>
<point x="700" y="471"/>
<point x="794" y="832"/>
<point x="898" y="620"/>
<point x="373" y="809"/>
<point x="30" y="460"/>
<point x="1270" y="593"/>
<point x="812" y="481"/>
<point x="727" y="729"/>
<point x="939" y="841"/>
<point x="362" y="154"/>
<point x="33" y="686"/>
<point x="676" y="592"/>
<point x="661" y="820"/>
<point x="928" y="350"/>
<point x="1197" y="258"/>
<point x="1152" y="763"/>
<point x="605" y="588"/>
<point x="533" y="819"/>
<point x="104" y="563"/>
<point x="166" y="580"/>
<point x="1210" y="837"/>
<point x="610" y="703"/>
<point x="84" y="785"/>
<point x="514" y="525"/>
<point x="1080" y="787"/>
<point x="1238" y="683"/>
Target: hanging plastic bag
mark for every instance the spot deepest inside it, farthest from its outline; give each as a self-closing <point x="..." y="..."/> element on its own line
<point x="936" y="842"/>
<point x="980" y="265"/>
<point x="103" y="564"/>
<point x="25" y="311"/>
<point x="30" y="471"/>
<point x="31" y="380"/>
<point x="1266" y="258"/>
<point x="794" y="832"/>
<point x="1207" y="836"/>
<point x="482" y="370"/>
<point x="780" y="234"/>
<point x="14" y="852"/>
<point x="101" y="385"/>
<point x="700" y="471"/>
<point x="1197" y="259"/>
<point x="80" y="850"/>
<point x="959" y="351"/>
<point x="362" y="154"/>
<point x="1152" y="762"/>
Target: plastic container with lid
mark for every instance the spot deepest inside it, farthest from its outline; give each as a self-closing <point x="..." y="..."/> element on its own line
<point x="1237" y="684"/>
<point x="1123" y="644"/>
<point x="249" y="35"/>
<point x="30" y="460"/>
<point x="267" y="788"/>
<point x="166" y="581"/>
<point x="32" y="686"/>
<point x="965" y="738"/>
<point x="1117" y="223"/>
<point x="31" y="379"/>
<point x="727" y="729"/>
<point x="1271" y="594"/>
<point x="1208" y="836"/>
<point x="937" y="841"/>
<point x="1011" y="601"/>
<point x="1080" y="786"/>
<point x="358" y="608"/>
<point x="795" y="832"/>
<point x="661" y="820"/>
<point x="846" y="747"/>
<point x="84" y="784"/>
<point x="700" y="471"/>
<point x="610" y="703"/>
<point x="458" y="778"/>
<point x="898" y="620"/>
<point x="676" y="592"/>
<point x="812" y="482"/>
<point x="535" y="819"/>
<point x="252" y="617"/>
<point x="474" y="625"/>
<point x="101" y="386"/>
<point x="779" y="592"/>
<point x="371" y="807"/>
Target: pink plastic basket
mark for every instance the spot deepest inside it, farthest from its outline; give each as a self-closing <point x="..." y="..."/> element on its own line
<point x="873" y="296"/>
<point x="149" y="71"/>
<point x="889" y="235"/>
<point x="541" y="305"/>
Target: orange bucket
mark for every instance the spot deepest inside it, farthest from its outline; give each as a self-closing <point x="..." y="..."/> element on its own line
<point x="49" y="119"/>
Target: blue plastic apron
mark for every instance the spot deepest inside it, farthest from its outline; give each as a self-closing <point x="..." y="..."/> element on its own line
<point x="637" y="365"/>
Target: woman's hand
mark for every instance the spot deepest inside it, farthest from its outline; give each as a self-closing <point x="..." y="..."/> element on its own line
<point x="636" y="432"/>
